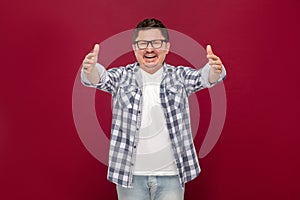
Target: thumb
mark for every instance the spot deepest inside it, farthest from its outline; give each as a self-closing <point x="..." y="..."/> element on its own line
<point x="96" y="50"/>
<point x="209" y="50"/>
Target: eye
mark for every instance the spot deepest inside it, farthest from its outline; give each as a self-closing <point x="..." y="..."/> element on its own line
<point x="142" y="43"/>
<point x="156" y="42"/>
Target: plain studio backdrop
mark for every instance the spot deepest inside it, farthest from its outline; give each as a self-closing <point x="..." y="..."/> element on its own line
<point x="44" y="42"/>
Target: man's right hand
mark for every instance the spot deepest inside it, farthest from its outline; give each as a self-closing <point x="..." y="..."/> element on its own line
<point x="89" y="65"/>
<point x="90" y="60"/>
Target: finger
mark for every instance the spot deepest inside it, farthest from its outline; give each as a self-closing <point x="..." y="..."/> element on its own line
<point x="87" y="70"/>
<point x="91" y="61"/>
<point x="209" y="50"/>
<point x="86" y="66"/>
<point x="218" y="71"/>
<point x="96" y="50"/>
<point x="216" y="67"/>
<point x="213" y="57"/>
<point x="88" y="62"/>
<point x="215" y="62"/>
<point x="90" y="56"/>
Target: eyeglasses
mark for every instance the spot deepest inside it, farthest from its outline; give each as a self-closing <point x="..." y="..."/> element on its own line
<point x="143" y="44"/>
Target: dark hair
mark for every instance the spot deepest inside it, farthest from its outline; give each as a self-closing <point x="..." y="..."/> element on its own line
<point x="150" y="24"/>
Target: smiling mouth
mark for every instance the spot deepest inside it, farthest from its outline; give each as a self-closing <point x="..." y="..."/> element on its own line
<point x="150" y="56"/>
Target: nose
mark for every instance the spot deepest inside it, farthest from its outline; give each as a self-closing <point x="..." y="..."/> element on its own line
<point x="149" y="47"/>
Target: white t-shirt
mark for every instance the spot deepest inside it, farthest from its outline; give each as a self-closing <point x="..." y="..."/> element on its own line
<point x="154" y="151"/>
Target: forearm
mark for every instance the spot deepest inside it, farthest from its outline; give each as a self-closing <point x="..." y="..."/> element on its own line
<point x="93" y="76"/>
<point x="213" y="76"/>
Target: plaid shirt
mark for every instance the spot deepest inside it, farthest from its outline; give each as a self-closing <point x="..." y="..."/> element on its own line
<point x="125" y="84"/>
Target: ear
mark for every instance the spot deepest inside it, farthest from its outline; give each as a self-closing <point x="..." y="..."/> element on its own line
<point x="133" y="47"/>
<point x="167" y="47"/>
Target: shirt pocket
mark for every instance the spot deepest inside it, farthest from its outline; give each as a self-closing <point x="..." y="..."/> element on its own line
<point x="175" y="95"/>
<point x="127" y="95"/>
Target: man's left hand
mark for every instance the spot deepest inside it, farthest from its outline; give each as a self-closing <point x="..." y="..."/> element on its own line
<point x="215" y="64"/>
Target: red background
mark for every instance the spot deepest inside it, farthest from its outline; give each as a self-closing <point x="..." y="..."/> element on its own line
<point x="42" y="46"/>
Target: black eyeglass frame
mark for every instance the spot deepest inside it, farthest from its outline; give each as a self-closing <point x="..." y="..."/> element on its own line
<point x="149" y="42"/>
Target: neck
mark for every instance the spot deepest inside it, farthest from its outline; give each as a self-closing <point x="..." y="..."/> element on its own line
<point x="152" y="70"/>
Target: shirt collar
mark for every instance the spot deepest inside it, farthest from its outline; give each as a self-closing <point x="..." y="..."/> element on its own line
<point x="135" y="67"/>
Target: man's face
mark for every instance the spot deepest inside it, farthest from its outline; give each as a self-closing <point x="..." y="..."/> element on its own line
<point x="150" y="58"/>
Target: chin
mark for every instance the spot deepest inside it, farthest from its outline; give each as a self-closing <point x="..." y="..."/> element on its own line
<point x="151" y="65"/>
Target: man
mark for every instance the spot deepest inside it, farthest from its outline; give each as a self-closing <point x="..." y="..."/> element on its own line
<point x="152" y="154"/>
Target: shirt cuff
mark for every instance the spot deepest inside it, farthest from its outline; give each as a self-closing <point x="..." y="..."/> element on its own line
<point x="205" y="75"/>
<point x="85" y="81"/>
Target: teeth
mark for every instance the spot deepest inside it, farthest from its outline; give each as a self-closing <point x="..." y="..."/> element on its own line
<point x="150" y="56"/>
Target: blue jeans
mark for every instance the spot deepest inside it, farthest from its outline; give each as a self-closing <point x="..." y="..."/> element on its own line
<point x="152" y="188"/>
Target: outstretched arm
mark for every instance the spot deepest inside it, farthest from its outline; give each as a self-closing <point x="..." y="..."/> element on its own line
<point x="205" y="77"/>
